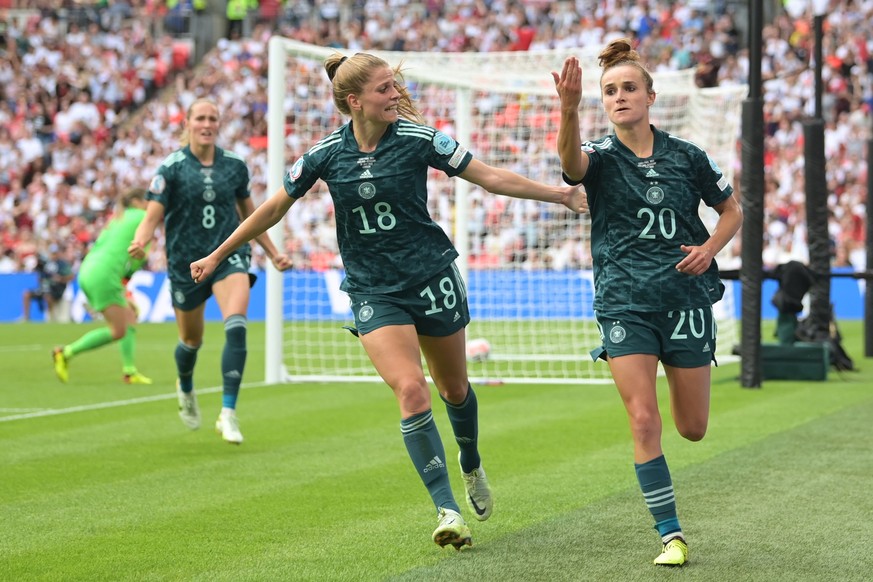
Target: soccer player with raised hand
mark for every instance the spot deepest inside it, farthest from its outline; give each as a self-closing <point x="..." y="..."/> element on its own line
<point x="407" y="295"/>
<point x="655" y="277"/>
<point x="200" y="192"/>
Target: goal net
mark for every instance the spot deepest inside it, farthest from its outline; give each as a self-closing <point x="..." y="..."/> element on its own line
<point x="527" y="264"/>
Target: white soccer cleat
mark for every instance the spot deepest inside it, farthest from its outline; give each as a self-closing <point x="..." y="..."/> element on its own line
<point x="189" y="412"/>
<point x="452" y="529"/>
<point x="478" y="492"/>
<point x="227" y="426"/>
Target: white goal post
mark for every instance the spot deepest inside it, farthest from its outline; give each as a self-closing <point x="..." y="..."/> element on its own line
<point x="527" y="264"/>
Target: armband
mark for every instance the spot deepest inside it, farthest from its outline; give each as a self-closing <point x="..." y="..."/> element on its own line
<point x="568" y="181"/>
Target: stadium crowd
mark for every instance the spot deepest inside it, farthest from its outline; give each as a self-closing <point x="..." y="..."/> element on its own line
<point x="92" y="104"/>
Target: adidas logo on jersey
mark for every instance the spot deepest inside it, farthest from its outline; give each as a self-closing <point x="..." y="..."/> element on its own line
<point x="706" y="347"/>
<point x="434" y="464"/>
<point x="457" y="316"/>
<point x="652" y="173"/>
<point x="366" y="174"/>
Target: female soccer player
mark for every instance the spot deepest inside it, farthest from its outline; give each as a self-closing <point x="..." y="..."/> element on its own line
<point x="406" y="293"/>
<point x="199" y="193"/>
<point x="101" y="277"/>
<point x="655" y="278"/>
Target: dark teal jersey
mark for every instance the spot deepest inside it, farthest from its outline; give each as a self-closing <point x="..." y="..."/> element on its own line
<point x="200" y="205"/>
<point x="642" y="211"/>
<point x="387" y="238"/>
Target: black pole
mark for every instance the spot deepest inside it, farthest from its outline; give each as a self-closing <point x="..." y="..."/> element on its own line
<point x="753" y="206"/>
<point x="818" y="28"/>
<point x="818" y="237"/>
<point x="868" y="285"/>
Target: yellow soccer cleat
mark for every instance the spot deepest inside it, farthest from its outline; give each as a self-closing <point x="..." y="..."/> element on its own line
<point x="136" y="378"/>
<point x="452" y="530"/>
<point x="675" y="553"/>
<point x="60" y="361"/>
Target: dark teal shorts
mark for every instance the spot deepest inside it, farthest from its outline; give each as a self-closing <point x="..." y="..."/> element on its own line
<point x="188" y="295"/>
<point x="437" y="307"/>
<point x="682" y="339"/>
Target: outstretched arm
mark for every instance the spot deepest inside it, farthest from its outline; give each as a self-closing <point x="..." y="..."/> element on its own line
<point x="507" y="183"/>
<point x="265" y="216"/>
<point x="280" y="260"/>
<point x="574" y="162"/>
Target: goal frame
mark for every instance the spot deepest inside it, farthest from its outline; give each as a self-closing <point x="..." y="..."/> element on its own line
<point x="278" y="54"/>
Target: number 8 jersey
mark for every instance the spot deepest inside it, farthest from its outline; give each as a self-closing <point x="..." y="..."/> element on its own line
<point x="387" y="238"/>
<point x="200" y="205"/>
<point x="642" y="211"/>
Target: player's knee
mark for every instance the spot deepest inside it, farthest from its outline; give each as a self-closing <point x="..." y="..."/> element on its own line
<point x="118" y="332"/>
<point x="455" y="392"/>
<point x="694" y="431"/>
<point x="645" y="425"/>
<point x="412" y="394"/>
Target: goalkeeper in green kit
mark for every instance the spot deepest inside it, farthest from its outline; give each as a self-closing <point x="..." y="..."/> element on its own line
<point x="101" y="278"/>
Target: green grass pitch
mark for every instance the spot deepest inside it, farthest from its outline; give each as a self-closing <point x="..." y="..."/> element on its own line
<point x="101" y="481"/>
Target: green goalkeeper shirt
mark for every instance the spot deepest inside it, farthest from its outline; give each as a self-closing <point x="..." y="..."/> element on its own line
<point x="642" y="211"/>
<point x="200" y="205"/>
<point x="108" y="259"/>
<point x="387" y="238"/>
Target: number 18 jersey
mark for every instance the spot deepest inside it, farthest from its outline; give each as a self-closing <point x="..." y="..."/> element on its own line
<point x="387" y="238"/>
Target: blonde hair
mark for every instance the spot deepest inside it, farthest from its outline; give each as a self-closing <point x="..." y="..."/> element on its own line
<point x="620" y="53"/>
<point x="349" y="75"/>
<point x="185" y="138"/>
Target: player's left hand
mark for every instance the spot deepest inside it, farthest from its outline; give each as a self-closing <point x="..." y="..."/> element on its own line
<point x="696" y="262"/>
<point x="576" y="199"/>
<point x="282" y="262"/>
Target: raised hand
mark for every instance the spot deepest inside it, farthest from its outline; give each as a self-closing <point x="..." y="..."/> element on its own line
<point x="569" y="83"/>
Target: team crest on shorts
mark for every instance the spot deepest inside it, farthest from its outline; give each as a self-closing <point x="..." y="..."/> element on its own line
<point x="654" y="195"/>
<point x="617" y="334"/>
<point x="366" y="190"/>
<point x="179" y="296"/>
<point x="366" y="313"/>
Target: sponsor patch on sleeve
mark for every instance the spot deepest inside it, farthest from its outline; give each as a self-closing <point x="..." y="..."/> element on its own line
<point x="158" y="184"/>
<point x="456" y="159"/>
<point x="722" y="183"/>
<point x="443" y="144"/>
<point x="296" y="170"/>
<point x="587" y="149"/>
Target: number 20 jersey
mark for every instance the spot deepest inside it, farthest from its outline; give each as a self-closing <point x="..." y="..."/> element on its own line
<point x="387" y="238"/>
<point x="642" y="211"/>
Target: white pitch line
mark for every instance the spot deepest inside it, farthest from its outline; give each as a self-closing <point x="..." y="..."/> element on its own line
<point x="20" y="348"/>
<point x="37" y="413"/>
